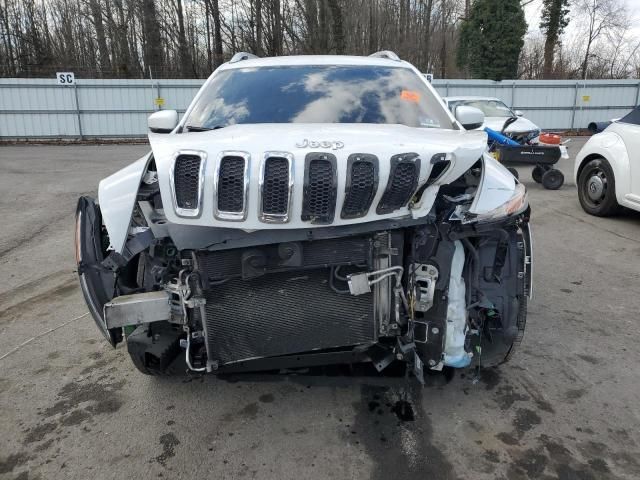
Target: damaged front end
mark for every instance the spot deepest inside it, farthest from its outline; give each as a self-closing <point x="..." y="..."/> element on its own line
<point x="448" y="288"/>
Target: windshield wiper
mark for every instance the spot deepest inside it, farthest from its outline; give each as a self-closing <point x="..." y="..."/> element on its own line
<point x="193" y="128"/>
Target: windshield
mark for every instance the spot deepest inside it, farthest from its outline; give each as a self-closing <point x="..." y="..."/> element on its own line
<point x="490" y="108"/>
<point x="318" y="94"/>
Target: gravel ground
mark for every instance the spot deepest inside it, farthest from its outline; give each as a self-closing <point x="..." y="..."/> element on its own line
<point x="568" y="406"/>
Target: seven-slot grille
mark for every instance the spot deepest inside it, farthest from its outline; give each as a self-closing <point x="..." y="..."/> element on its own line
<point x="403" y="181"/>
<point x="187" y="181"/>
<point x="320" y="188"/>
<point x="231" y="185"/>
<point x="276" y="183"/>
<point x="361" y="185"/>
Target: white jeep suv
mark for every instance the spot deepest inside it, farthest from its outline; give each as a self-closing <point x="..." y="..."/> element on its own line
<point x="307" y="211"/>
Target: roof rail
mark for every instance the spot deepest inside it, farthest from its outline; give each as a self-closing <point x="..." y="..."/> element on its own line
<point x="238" y="57"/>
<point x="386" y="54"/>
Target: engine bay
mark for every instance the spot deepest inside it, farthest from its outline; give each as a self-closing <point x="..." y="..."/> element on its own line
<point x="431" y="293"/>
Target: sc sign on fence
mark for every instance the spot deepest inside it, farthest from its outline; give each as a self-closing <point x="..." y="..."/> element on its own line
<point x="66" y="78"/>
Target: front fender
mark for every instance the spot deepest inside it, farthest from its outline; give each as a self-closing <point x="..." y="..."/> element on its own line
<point x="97" y="283"/>
<point x="117" y="197"/>
<point x="608" y="145"/>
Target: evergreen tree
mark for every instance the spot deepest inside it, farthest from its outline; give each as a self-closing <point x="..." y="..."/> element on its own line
<point x="491" y="39"/>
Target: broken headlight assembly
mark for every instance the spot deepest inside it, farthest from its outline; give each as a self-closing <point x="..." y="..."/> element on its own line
<point x="515" y="205"/>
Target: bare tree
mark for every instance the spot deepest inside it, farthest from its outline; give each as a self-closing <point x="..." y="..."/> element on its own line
<point x="183" y="49"/>
<point x="601" y="17"/>
<point x="152" y="37"/>
<point x="187" y="38"/>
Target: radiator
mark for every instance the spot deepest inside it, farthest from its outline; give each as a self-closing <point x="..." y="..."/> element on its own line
<point x="284" y="313"/>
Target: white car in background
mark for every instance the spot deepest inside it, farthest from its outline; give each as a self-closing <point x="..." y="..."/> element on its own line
<point x="496" y="112"/>
<point x="607" y="169"/>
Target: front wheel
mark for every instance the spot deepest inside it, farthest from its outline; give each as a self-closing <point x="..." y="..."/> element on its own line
<point x="597" y="189"/>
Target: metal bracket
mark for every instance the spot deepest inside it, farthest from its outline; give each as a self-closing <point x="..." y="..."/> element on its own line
<point x="426" y="277"/>
<point x="380" y="357"/>
<point x="195" y="302"/>
<point x="136" y="309"/>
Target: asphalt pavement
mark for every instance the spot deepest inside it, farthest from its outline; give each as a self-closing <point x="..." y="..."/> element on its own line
<point x="566" y="407"/>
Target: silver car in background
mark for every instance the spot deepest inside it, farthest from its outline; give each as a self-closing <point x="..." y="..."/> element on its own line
<point x="496" y="112"/>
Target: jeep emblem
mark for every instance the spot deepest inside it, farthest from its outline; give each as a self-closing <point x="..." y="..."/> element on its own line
<point x="332" y="144"/>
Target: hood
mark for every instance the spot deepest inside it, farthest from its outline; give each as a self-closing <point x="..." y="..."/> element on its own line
<point x="520" y="125"/>
<point x="298" y="140"/>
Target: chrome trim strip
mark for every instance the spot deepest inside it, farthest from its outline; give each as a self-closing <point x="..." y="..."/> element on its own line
<point x="232" y="216"/>
<point x="275" y="217"/>
<point x="188" y="212"/>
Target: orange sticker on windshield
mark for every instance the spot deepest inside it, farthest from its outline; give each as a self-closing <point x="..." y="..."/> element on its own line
<point x="410" y="96"/>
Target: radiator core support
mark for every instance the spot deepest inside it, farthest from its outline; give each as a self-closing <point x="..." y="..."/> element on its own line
<point x="294" y="300"/>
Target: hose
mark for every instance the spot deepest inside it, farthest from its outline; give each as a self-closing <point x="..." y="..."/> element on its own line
<point x="188" y="349"/>
<point x="332" y="276"/>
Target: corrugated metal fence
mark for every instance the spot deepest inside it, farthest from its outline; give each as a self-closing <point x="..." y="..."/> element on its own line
<point x="40" y="108"/>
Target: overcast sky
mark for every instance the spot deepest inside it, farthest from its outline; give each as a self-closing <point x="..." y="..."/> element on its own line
<point x="533" y="10"/>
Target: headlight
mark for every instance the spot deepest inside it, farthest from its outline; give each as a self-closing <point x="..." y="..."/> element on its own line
<point x="517" y="204"/>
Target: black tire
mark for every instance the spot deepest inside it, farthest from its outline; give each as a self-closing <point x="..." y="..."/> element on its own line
<point x="552" y="179"/>
<point x="537" y="173"/>
<point x="514" y="172"/>
<point x="597" y="189"/>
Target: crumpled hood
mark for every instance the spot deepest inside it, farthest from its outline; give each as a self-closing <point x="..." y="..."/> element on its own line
<point x="340" y="140"/>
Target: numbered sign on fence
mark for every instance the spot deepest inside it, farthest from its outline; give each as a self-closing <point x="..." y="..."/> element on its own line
<point x="66" y="78"/>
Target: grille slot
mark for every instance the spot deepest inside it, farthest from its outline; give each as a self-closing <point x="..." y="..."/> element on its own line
<point x="320" y="188"/>
<point x="403" y="181"/>
<point x="440" y="163"/>
<point x="231" y="186"/>
<point x="361" y="185"/>
<point x="276" y="185"/>
<point x="186" y="184"/>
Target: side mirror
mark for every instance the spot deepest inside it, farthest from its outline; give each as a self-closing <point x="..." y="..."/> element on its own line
<point x="470" y="117"/>
<point x="519" y="113"/>
<point x="163" y="121"/>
